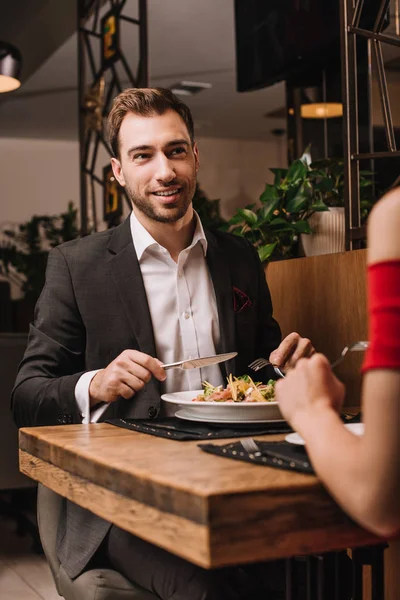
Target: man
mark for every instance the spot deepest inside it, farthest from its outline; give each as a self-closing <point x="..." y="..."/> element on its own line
<point x="155" y="286"/>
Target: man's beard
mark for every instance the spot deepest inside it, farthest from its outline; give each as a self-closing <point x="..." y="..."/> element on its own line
<point x="171" y="213"/>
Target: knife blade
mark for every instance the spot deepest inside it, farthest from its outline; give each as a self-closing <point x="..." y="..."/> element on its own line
<point x="197" y="363"/>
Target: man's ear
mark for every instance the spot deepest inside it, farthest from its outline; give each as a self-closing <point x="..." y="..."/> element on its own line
<point x="196" y="156"/>
<point x="117" y="170"/>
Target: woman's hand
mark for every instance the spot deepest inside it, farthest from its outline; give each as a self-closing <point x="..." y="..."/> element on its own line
<point x="310" y="385"/>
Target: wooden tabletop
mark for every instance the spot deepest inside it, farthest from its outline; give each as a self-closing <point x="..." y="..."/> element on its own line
<point x="210" y="510"/>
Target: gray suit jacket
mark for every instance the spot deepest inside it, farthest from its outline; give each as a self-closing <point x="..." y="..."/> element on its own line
<point x="93" y="306"/>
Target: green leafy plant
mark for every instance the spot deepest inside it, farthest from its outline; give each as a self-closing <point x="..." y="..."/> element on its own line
<point x="26" y="248"/>
<point x="274" y="226"/>
<point x="306" y="187"/>
<point x="327" y="179"/>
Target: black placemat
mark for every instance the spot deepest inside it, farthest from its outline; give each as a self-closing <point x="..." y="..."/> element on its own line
<point x="280" y="455"/>
<point x="177" y="429"/>
<point x="351" y="418"/>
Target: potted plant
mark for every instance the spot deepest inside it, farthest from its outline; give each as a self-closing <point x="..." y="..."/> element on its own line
<point x="274" y="226"/>
<point x="328" y="227"/>
<point x="23" y="256"/>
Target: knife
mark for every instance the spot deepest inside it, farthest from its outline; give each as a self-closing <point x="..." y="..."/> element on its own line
<point x="197" y="363"/>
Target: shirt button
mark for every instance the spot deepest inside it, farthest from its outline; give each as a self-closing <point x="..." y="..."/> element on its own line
<point x="186" y="315"/>
<point x="180" y="273"/>
<point x="152" y="412"/>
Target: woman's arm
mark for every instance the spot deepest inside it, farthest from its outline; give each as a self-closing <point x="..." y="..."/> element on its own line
<point x="363" y="474"/>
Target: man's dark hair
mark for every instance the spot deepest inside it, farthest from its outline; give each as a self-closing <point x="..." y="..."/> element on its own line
<point x="146" y="102"/>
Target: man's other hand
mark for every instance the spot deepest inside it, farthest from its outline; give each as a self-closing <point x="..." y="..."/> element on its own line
<point x="124" y="376"/>
<point x="290" y="350"/>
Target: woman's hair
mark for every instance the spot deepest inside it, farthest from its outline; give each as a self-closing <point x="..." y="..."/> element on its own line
<point x="145" y="102"/>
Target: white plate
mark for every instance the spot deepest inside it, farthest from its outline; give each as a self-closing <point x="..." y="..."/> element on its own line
<point x="187" y="415"/>
<point x="225" y="412"/>
<point x="295" y="438"/>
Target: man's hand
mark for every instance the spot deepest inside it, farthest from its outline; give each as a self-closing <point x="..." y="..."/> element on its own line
<point x="290" y="350"/>
<point x="124" y="376"/>
<point x="310" y="385"/>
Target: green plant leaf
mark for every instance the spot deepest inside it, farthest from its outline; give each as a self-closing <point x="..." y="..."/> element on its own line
<point x="298" y="201"/>
<point x="278" y="221"/>
<point x="325" y="185"/>
<point x="297" y="170"/>
<point x="318" y="207"/>
<point x="279" y="175"/>
<point x="270" y="194"/>
<point x="237" y="218"/>
<point x="264" y="252"/>
<point x="324" y="163"/>
<point x="249" y="216"/>
<point x="268" y="210"/>
<point x="301" y="227"/>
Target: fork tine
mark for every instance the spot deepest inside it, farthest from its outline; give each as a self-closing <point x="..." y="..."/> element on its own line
<point x="254" y="363"/>
<point x="249" y="445"/>
<point x="359" y="346"/>
<point x="346" y="349"/>
<point x="259" y="363"/>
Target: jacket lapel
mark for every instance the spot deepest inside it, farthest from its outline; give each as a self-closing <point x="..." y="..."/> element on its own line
<point x="126" y="274"/>
<point x="218" y="265"/>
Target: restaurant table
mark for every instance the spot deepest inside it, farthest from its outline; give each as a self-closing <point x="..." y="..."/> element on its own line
<point x="210" y="510"/>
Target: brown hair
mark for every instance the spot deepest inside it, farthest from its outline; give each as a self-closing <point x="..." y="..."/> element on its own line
<point x="145" y="102"/>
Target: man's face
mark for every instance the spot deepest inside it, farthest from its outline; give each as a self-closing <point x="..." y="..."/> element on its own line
<point x="157" y="165"/>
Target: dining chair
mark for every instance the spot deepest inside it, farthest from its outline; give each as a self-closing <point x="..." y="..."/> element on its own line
<point x="96" y="584"/>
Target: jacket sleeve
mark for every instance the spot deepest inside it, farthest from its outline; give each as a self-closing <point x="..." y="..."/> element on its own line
<point x="44" y="391"/>
<point x="268" y="335"/>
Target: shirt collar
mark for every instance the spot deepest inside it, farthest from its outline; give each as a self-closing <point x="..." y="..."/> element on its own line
<point x="142" y="240"/>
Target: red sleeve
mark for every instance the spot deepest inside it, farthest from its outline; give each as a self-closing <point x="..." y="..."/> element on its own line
<point x="384" y="316"/>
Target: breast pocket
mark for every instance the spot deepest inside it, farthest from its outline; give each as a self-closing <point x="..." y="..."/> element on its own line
<point x="245" y="317"/>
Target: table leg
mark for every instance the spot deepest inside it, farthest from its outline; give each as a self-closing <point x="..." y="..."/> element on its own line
<point x="373" y="556"/>
<point x="290" y="579"/>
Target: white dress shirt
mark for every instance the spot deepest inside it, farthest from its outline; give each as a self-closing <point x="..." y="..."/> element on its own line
<point x="183" y="312"/>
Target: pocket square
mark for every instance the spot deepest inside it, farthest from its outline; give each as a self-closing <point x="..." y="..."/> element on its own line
<point x="240" y="300"/>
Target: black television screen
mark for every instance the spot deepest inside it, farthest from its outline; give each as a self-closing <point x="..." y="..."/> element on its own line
<point x="276" y="39"/>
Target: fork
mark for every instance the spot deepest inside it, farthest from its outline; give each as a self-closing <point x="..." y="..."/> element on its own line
<point x="250" y="446"/>
<point x="254" y="451"/>
<point x="259" y="363"/>
<point x="357" y="346"/>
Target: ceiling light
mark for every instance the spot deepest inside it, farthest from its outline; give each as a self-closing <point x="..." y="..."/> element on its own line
<point x="10" y="67"/>
<point x="188" y="88"/>
<point x="321" y="110"/>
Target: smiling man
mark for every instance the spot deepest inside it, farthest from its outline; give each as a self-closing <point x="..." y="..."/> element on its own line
<point x="119" y="304"/>
<point x="160" y="178"/>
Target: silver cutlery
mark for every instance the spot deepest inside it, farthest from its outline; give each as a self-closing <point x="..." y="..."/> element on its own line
<point x="254" y="450"/>
<point x="198" y="363"/>
<point x="260" y="363"/>
<point x="251" y="447"/>
<point x="357" y="346"/>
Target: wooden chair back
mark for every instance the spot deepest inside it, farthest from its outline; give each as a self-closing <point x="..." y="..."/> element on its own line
<point x="324" y="298"/>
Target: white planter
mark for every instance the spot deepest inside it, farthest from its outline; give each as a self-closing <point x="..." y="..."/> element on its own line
<point x="328" y="233"/>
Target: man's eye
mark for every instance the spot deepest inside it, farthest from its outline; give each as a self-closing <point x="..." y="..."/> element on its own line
<point x="141" y="156"/>
<point x="177" y="151"/>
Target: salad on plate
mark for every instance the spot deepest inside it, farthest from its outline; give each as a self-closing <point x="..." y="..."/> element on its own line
<point x="239" y="389"/>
